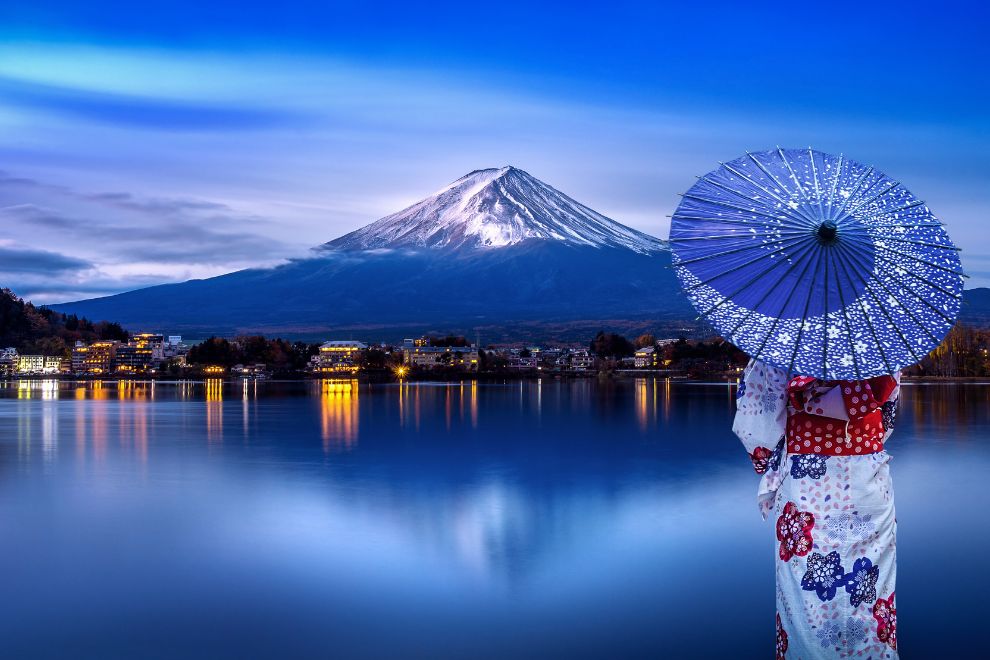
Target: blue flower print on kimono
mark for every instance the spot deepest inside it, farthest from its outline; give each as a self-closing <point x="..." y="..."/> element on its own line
<point x="829" y="634"/>
<point x="777" y="454"/>
<point x="861" y="583"/>
<point x="808" y="465"/>
<point x="824" y="576"/>
<point x="850" y="635"/>
<point x="847" y="527"/>
<point x="888" y="413"/>
<point x="856" y="631"/>
<point x="770" y="401"/>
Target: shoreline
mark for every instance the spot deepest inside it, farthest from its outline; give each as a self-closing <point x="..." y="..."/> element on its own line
<point x="377" y="379"/>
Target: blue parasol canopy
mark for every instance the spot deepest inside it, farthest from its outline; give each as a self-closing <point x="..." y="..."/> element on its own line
<point x="816" y="264"/>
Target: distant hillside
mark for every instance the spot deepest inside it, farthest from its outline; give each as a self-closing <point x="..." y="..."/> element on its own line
<point x="539" y="290"/>
<point x="39" y="330"/>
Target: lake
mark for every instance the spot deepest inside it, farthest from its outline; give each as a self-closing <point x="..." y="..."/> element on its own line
<point x="464" y="520"/>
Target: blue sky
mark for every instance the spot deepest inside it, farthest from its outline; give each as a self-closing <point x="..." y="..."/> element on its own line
<point x="191" y="139"/>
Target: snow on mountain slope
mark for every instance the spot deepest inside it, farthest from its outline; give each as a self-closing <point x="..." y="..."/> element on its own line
<point x="494" y="208"/>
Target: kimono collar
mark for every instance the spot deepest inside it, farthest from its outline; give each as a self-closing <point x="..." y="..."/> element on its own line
<point x="861" y="397"/>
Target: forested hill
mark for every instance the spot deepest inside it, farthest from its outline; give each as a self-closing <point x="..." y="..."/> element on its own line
<point x="39" y="330"/>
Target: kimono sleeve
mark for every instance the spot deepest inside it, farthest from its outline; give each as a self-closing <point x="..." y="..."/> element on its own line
<point x="889" y="408"/>
<point x="761" y="412"/>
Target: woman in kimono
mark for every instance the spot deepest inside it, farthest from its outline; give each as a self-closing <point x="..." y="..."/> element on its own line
<point x="820" y="448"/>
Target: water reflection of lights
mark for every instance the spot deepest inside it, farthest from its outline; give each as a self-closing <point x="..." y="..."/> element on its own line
<point x="647" y="403"/>
<point x="447" y="406"/>
<point x="100" y="393"/>
<point x="474" y="404"/>
<point x="666" y="399"/>
<point x="138" y="390"/>
<point x="47" y="390"/>
<point x="214" y="410"/>
<point x="91" y="418"/>
<point x="642" y="410"/>
<point x="133" y="419"/>
<point x="339" y="413"/>
<point x="459" y="401"/>
<point x="468" y="400"/>
<point x="409" y="401"/>
<point x="539" y="399"/>
<point x="249" y="392"/>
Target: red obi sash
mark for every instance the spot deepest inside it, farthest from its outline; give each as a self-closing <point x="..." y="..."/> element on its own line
<point x="811" y="431"/>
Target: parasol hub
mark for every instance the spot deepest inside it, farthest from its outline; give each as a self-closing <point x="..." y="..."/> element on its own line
<point x="827" y="232"/>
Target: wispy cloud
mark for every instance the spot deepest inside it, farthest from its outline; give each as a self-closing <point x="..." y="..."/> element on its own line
<point x="16" y="261"/>
<point x="185" y="239"/>
<point x="139" y="111"/>
<point x="173" y="164"/>
<point x="122" y="240"/>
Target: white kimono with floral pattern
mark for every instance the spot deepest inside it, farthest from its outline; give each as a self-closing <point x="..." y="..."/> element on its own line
<point x="835" y="529"/>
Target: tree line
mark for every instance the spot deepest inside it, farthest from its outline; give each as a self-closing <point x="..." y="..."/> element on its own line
<point x="964" y="353"/>
<point x="36" y="330"/>
<point x="278" y="354"/>
<point x="31" y="329"/>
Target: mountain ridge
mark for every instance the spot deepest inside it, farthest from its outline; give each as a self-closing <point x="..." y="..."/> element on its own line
<point x="491" y="208"/>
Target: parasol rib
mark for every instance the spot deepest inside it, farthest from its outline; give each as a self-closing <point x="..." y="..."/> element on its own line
<point x="766" y="295"/>
<point x="727" y="205"/>
<point x="800" y="221"/>
<point x="855" y="191"/>
<point x="922" y="243"/>
<point x="883" y="309"/>
<point x="753" y="280"/>
<point x="835" y="185"/>
<point x="802" y="217"/>
<point x="924" y="281"/>
<point x="849" y="325"/>
<point x="804" y="315"/>
<point x="814" y="176"/>
<point x="869" y="322"/>
<point x="790" y="242"/>
<point x="746" y="235"/>
<point x="734" y="268"/>
<point x="787" y="300"/>
<point x="864" y="202"/>
<point x="787" y="164"/>
<point x="825" y="319"/>
<point x="779" y="184"/>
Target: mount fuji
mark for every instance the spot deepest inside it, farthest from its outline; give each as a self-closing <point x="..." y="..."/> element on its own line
<point x="495" y="208"/>
<point x="496" y="253"/>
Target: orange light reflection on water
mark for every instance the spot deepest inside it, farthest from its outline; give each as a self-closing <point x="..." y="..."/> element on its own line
<point x="214" y="410"/>
<point x="339" y="413"/>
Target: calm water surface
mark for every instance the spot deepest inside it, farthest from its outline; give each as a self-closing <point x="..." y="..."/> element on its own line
<point x="465" y="520"/>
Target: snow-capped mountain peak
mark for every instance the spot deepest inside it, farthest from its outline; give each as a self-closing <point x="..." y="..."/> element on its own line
<point x="494" y="208"/>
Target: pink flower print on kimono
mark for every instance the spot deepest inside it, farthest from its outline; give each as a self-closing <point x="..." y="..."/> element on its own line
<point x="886" y="615"/>
<point x="781" y="640"/>
<point x="794" y="531"/>
<point x="761" y="459"/>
